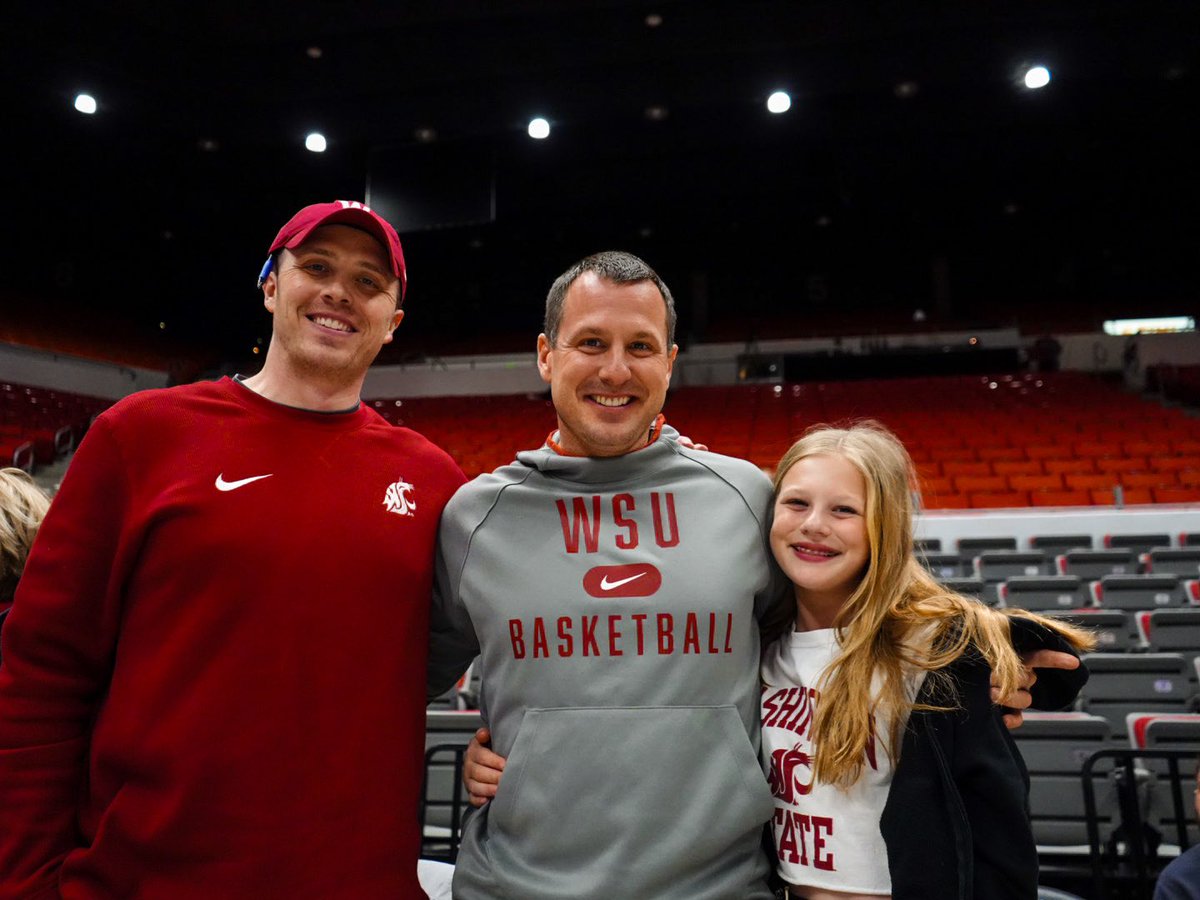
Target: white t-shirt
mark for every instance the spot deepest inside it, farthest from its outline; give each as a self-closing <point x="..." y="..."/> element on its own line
<point x="825" y="836"/>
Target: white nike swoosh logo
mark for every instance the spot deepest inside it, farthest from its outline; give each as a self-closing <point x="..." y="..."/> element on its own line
<point x="606" y="585"/>
<point x="223" y="485"/>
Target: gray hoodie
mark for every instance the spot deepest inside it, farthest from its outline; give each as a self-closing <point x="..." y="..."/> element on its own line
<point x="614" y="604"/>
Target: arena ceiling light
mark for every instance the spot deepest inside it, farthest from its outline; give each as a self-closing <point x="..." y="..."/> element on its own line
<point x="1036" y="77"/>
<point x="316" y="142"/>
<point x="1159" y="325"/>
<point x="779" y="102"/>
<point x="539" y="129"/>
<point x="85" y="103"/>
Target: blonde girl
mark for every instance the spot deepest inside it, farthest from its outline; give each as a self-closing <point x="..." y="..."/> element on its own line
<point x="892" y="771"/>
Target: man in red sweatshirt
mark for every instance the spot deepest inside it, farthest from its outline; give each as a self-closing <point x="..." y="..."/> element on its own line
<point x="213" y="677"/>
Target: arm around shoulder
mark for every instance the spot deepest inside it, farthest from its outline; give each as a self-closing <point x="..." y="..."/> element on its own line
<point x="452" y="640"/>
<point x="1056" y="687"/>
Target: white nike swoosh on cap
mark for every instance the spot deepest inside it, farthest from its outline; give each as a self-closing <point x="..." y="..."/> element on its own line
<point x="606" y="585"/>
<point x="223" y="485"/>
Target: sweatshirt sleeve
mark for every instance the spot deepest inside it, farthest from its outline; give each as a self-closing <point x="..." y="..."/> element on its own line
<point x="1180" y="880"/>
<point x="994" y="786"/>
<point x="1055" y="688"/>
<point x="452" y="640"/>
<point x="961" y="774"/>
<point x="58" y="644"/>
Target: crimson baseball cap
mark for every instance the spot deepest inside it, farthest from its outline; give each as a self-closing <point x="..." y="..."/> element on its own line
<point x="339" y="212"/>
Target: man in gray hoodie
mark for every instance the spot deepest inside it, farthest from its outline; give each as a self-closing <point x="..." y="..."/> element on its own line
<point x="611" y="581"/>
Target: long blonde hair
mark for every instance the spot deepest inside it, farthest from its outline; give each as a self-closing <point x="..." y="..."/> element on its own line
<point x="881" y="626"/>
<point x="22" y="506"/>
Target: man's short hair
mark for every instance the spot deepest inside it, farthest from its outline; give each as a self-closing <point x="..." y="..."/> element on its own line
<point x="613" y="265"/>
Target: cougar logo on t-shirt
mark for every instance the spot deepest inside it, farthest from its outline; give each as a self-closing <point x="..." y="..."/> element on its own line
<point x="787" y="779"/>
<point x="398" y="498"/>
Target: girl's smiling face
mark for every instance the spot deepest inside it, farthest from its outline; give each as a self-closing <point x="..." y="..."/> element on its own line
<point x="819" y="536"/>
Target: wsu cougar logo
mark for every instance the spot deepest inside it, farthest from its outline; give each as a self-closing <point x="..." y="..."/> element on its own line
<point x="784" y="775"/>
<point x="398" y="498"/>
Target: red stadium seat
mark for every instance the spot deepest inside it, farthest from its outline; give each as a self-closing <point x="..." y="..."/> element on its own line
<point x="1176" y="495"/>
<point x="1094" y="481"/>
<point x="952" y="468"/>
<point x="962" y="454"/>
<point x="946" y="501"/>
<point x="937" y="485"/>
<point x="1133" y="496"/>
<point x="1126" y="464"/>
<point x="1148" y="479"/>
<point x="1001" y="453"/>
<point x="1098" y="448"/>
<point x="1065" y="466"/>
<point x="968" y="484"/>
<point x="1048" y="451"/>
<point x="1141" y="448"/>
<point x="928" y="469"/>
<point x="999" y="500"/>
<point x="1018" y="467"/>
<point x="1035" y="482"/>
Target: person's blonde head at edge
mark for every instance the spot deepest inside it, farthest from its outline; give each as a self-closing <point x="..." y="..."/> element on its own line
<point x="22" y="507"/>
<point x="892" y="616"/>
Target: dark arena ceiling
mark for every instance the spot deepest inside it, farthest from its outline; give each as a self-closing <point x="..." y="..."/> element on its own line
<point x="913" y="169"/>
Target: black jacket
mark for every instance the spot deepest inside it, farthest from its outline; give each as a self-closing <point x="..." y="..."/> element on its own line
<point x="956" y="822"/>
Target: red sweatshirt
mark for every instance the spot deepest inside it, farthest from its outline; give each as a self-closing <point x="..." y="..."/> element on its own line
<point x="213" y="679"/>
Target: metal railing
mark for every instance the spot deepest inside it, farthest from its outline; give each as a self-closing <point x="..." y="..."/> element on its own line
<point x="1132" y="851"/>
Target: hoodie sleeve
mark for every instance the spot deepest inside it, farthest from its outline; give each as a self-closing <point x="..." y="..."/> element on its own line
<point x="452" y="640"/>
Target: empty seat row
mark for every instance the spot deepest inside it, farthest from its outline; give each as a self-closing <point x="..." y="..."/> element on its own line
<point x="1156" y="630"/>
<point x="1131" y="592"/>
<point x="1056" y="747"/>
<point x="1139" y="542"/>
<point x="39" y="424"/>
<point x="999" y="565"/>
<point x="1055" y="425"/>
<point x="1058" y="474"/>
<point x="1117" y="497"/>
<point x="1092" y="456"/>
<point x="935" y="489"/>
<point x="1123" y="683"/>
<point x="1070" y="592"/>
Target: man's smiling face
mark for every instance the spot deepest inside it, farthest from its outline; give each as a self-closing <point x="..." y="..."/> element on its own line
<point x="334" y="303"/>
<point x="610" y="366"/>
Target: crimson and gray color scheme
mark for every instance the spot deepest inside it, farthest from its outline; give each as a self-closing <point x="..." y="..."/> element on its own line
<point x="614" y="603"/>
<point x="213" y="676"/>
